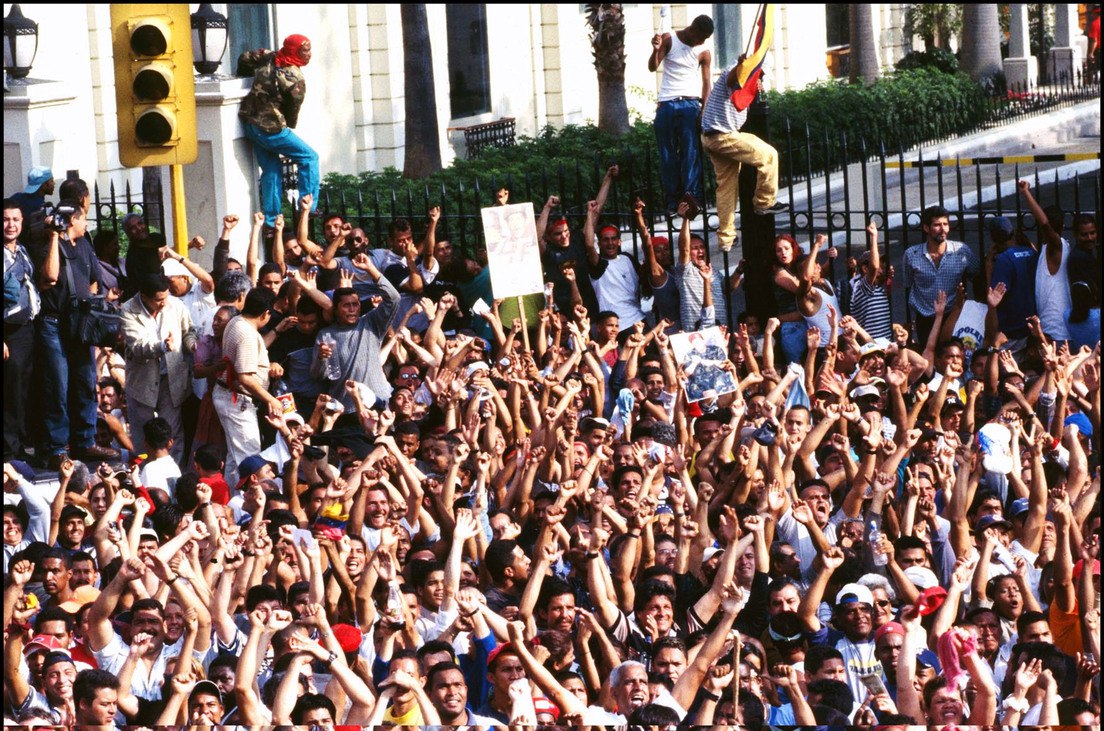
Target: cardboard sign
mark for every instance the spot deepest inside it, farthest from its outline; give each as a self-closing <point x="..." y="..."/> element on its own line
<point x="513" y="254"/>
<point x="702" y="355"/>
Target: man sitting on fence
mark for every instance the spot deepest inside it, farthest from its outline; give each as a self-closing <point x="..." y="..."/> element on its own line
<point x="729" y="149"/>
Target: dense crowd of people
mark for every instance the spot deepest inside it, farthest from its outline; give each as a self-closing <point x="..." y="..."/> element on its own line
<point x="337" y="484"/>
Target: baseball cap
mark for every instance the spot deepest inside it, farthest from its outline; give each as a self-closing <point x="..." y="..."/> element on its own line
<point x="1019" y="507"/>
<point x="987" y="520"/>
<point x="928" y="658"/>
<point x="478" y="366"/>
<point x="36" y="178"/>
<point x="865" y="390"/>
<point x="952" y="402"/>
<point x="710" y="552"/>
<point x="248" y="467"/>
<point x="1082" y="422"/>
<point x="54" y="658"/>
<point x="347" y="636"/>
<point x="81" y="595"/>
<point x="889" y="628"/>
<point x="44" y="643"/>
<point x="493" y="655"/>
<point x="1001" y="225"/>
<point x="543" y="705"/>
<point x="173" y="268"/>
<point x="852" y="593"/>
<point x="930" y="600"/>
<point x="922" y="577"/>
<point x="594" y="422"/>
<point x="871" y="348"/>
<point x="205" y="687"/>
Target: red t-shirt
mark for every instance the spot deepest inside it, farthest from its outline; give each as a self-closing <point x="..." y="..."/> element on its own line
<point x="220" y="491"/>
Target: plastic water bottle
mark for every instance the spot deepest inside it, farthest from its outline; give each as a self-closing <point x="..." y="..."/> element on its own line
<point x="394" y="600"/>
<point x="331" y="371"/>
<point x="874" y="539"/>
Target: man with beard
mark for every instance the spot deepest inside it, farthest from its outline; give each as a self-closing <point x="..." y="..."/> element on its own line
<point x="853" y="617"/>
<point x="449" y="694"/>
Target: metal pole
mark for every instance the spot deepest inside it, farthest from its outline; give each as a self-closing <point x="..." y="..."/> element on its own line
<point x="180" y="217"/>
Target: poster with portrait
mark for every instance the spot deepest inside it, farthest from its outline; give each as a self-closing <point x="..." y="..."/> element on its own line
<point x="701" y="355"/>
<point x="512" y="251"/>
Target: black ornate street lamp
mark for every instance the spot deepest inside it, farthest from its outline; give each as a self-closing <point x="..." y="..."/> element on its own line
<point x="208" y="38"/>
<point x="20" y="43"/>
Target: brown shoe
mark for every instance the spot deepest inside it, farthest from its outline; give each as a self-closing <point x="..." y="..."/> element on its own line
<point x="96" y="452"/>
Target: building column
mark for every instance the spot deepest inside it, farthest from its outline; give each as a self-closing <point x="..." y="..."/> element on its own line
<point x="1064" y="60"/>
<point x="1021" y="69"/>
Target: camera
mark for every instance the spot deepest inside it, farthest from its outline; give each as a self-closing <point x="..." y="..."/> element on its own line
<point x="63" y="217"/>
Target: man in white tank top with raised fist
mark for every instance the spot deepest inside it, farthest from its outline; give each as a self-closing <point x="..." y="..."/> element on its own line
<point x="686" y="79"/>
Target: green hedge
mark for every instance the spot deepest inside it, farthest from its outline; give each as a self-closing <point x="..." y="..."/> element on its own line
<point x="905" y="108"/>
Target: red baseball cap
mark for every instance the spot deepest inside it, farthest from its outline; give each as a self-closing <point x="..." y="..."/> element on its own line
<point x="543" y="705"/>
<point x="507" y="647"/>
<point x="930" y="600"/>
<point x="347" y="636"/>
<point x="1080" y="566"/>
<point x="44" y="643"/>
<point x="889" y="628"/>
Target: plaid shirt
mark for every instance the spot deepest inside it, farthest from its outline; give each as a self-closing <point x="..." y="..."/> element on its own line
<point x="924" y="280"/>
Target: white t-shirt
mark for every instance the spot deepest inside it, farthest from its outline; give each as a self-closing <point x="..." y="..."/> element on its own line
<point x="162" y="472"/>
<point x="618" y="290"/>
<point x="1052" y="295"/>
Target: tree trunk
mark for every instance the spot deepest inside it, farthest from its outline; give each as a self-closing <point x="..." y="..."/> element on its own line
<point x="423" y="145"/>
<point x="864" y="59"/>
<point x="607" y="39"/>
<point x="981" y="37"/>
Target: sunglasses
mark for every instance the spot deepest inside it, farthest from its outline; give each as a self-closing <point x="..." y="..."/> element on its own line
<point x="882" y="603"/>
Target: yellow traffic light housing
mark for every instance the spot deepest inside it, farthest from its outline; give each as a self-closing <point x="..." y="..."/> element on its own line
<point x="154" y="85"/>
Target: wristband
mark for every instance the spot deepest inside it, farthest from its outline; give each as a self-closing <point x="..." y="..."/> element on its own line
<point x="173" y="580"/>
<point x="592" y="556"/>
<point x="329" y="660"/>
<point x="472" y="613"/>
<point x="214" y="560"/>
<point x="1012" y="703"/>
<point x="634" y="534"/>
<point x="710" y="696"/>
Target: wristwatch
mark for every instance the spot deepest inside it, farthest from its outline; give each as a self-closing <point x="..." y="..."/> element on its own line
<point x="329" y="660"/>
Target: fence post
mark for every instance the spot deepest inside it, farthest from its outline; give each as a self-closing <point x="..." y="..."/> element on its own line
<point x="758" y="231"/>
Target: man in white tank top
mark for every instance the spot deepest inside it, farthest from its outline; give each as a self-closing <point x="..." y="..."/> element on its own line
<point x="686" y="78"/>
<point x="1052" y="292"/>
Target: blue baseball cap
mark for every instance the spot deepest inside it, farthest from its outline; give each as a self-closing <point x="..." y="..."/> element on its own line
<point x="250" y="466"/>
<point x="36" y="178"/>
<point x="1019" y="507"/>
<point x="1082" y="422"/>
<point x="1001" y="225"/>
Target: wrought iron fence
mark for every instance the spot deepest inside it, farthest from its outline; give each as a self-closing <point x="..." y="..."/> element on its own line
<point x="835" y="185"/>
<point x="108" y="210"/>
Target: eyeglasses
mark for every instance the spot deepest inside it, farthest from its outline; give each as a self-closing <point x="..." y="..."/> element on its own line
<point x="408" y="376"/>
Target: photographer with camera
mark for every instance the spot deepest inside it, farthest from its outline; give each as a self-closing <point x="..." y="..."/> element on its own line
<point x="69" y="272"/>
<point x="21" y="305"/>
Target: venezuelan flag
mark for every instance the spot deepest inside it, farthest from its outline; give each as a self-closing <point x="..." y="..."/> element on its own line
<point x="750" y="68"/>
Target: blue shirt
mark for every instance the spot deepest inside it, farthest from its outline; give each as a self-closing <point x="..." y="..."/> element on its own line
<point x="1015" y="267"/>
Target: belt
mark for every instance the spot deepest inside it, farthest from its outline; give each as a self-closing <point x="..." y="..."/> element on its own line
<point x="683" y="99"/>
<point x="231" y="390"/>
<point x="712" y="133"/>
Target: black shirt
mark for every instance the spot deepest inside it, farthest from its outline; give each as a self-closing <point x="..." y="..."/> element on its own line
<point x="80" y="259"/>
<point x="556" y="256"/>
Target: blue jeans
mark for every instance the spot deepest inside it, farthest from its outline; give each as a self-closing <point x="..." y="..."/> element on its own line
<point x="680" y="167"/>
<point x="793" y="341"/>
<point x="267" y="148"/>
<point x="69" y="387"/>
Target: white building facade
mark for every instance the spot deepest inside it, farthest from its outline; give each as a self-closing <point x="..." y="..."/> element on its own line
<point x="531" y="62"/>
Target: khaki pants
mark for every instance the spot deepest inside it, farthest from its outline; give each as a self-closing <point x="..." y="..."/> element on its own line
<point x="727" y="153"/>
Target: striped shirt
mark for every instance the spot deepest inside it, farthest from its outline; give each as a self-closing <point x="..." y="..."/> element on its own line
<point x="719" y="114"/>
<point x="870" y="307"/>
<point x="692" y="294"/>
<point x="925" y="280"/>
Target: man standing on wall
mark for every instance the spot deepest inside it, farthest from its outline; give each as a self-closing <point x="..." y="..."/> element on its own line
<point x="678" y="114"/>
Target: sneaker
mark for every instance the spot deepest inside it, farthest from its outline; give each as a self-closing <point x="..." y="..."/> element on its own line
<point x="96" y="453"/>
<point x="778" y="207"/>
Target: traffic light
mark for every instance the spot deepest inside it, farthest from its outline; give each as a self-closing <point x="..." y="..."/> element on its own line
<point x="154" y="86"/>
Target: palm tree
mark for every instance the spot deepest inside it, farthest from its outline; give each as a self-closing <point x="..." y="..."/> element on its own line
<point x="864" y="58"/>
<point x="423" y="144"/>
<point x="981" y="37"/>
<point x="935" y="23"/>
<point x="607" y="39"/>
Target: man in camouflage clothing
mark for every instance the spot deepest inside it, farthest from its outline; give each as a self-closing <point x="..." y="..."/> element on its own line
<point x="269" y="113"/>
